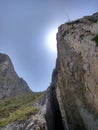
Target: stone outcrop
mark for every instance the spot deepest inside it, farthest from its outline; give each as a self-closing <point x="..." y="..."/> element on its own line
<point x="34" y="122"/>
<point x="71" y="101"/>
<point x="75" y="82"/>
<point x="10" y="83"/>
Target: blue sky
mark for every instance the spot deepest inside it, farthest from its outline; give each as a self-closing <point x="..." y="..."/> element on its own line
<point x="25" y="30"/>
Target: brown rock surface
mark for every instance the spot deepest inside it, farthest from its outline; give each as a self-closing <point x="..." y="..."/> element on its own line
<point x="76" y="84"/>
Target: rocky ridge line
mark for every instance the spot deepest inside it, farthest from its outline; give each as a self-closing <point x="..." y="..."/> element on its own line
<point x="10" y="83"/>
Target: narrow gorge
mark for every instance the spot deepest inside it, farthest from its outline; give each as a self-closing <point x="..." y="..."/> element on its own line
<point x="71" y="101"/>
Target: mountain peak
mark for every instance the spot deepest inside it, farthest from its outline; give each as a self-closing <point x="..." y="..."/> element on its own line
<point x="10" y="83"/>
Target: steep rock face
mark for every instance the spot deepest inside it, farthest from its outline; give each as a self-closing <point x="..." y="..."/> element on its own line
<point x="10" y="83"/>
<point x="71" y="101"/>
<point x="76" y="86"/>
<point x="53" y="114"/>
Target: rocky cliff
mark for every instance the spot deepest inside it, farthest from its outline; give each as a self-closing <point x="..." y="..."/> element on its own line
<point x="20" y="109"/>
<point x="71" y="101"/>
<point x="10" y="83"/>
<point x="75" y="79"/>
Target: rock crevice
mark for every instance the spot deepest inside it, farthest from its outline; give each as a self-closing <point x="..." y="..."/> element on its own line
<point x="71" y="101"/>
<point x="53" y="114"/>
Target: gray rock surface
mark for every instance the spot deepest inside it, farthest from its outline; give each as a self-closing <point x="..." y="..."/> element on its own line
<point x="35" y="122"/>
<point x="10" y="83"/>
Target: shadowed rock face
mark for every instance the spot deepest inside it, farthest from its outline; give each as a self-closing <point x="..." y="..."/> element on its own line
<point x="76" y="77"/>
<point x="10" y="83"/>
<point x="53" y="114"/>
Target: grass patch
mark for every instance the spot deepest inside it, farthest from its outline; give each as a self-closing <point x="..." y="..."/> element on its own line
<point x="96" y="39"/>
<point x="18" y="108"/>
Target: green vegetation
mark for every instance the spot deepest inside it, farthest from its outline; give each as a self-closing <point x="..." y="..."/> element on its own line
<point x="18" y="108"/>
<point x="96" y="39"/>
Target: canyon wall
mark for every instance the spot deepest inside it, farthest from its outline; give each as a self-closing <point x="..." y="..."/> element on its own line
<point x="71" y="101"/>
<point x="75" y="83"/>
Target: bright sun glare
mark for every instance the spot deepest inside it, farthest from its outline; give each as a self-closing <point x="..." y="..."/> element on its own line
<point x="51" y="40"/>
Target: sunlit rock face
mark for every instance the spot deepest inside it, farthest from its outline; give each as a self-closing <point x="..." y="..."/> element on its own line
<point x="10" y="83"/>
<point x="76" y="84"/>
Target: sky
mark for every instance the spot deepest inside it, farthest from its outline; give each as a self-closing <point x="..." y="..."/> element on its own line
<point x="28" y="34"/>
